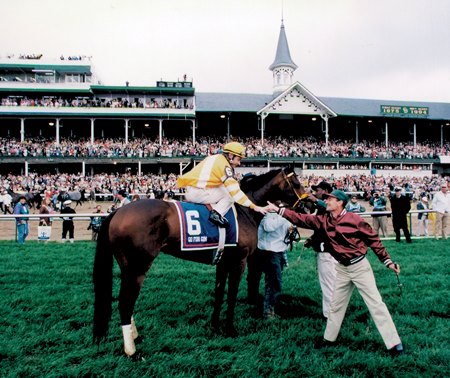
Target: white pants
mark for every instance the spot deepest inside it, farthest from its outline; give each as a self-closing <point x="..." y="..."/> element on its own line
<point x="361" y="276"/>
<point x="326" y="267"/>
<point x="422" y="226"/>
<point x="218" y="197"/>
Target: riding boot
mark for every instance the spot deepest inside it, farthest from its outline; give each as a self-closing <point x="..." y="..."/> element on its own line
<point x="217" y="219"/>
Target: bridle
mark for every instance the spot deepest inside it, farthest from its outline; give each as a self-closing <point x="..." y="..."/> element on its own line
<point x="300" y="197"/>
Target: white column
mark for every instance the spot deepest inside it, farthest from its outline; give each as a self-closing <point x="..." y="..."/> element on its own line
<point x="357" y="132"/>
<point x="26" y="168"/>
<point x="160" y="131"/>
<point x="22" y="129"/>
<point x="387" y="135"/>
<point x="126" y="130"/>
<point x="83" y="168"/>
<point x="57" y="131"/>
<point x="193" y="131"/>
<point x="139" y="168"/>
<point x="92" y="130"/>
<point x="415" y="136"/>
<point x="263" y="125"/>
<point x="228" y="126"/>
<point x="326" y="131"/>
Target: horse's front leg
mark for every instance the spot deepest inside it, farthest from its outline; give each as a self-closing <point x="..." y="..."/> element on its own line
<point x="219" y="292"/>
<point x="129" y="292"/>
<point x="234" y="279"/>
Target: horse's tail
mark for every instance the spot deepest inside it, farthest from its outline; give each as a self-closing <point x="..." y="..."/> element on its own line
<point x="103" y="282"/>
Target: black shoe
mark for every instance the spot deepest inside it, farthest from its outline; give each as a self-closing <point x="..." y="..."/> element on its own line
<point x="409" y="241"/>
<point x="322" y="343"/>
<point x="218" y="219"/>
<point x="397" y="350"/>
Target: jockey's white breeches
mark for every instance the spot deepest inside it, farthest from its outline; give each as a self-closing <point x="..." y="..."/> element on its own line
<point x="218" y="197"/>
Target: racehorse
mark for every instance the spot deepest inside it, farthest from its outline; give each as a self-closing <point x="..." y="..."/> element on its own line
<point x="32" y="198"/>
<point x="77" y="196"/>
<point x="136" y="233"/>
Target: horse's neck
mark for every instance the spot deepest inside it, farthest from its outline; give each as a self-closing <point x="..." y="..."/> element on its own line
<point x="259" y="196"/>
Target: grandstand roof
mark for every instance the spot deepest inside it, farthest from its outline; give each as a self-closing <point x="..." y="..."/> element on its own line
<point x="29" y="65"/>
<point x="232" y="102"/>
<point x="246" y="102"/>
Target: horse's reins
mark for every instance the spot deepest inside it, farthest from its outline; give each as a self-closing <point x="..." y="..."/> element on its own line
<point x="300" y="197"/>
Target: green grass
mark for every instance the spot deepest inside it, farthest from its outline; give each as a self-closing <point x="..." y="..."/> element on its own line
<point x="46" y="311"/>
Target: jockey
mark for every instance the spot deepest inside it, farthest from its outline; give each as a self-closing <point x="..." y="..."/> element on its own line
<point x="213" y="182"/>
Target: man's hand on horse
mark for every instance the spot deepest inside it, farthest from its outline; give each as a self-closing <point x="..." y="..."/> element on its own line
<point x="271" y="208"/>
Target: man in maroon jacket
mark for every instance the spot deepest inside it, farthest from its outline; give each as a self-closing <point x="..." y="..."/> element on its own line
<point x="347" y="237"/>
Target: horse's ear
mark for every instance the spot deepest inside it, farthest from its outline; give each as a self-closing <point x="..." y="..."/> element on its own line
<point x="289" y="169"/>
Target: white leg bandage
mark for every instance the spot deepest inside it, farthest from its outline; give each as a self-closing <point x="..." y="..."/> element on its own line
<point x="128" y="341"/>
<point x="134" y="332"/>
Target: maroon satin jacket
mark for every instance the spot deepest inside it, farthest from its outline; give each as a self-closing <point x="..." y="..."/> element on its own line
<point x="346" y="237"/>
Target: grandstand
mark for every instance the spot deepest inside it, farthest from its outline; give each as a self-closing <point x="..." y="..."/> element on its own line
<point x="61" y="105"/>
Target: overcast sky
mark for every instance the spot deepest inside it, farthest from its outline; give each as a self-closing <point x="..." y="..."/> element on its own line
<point x="380" y="49"/>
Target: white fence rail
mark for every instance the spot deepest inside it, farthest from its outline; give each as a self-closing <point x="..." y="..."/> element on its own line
<point x="10" y="232"/>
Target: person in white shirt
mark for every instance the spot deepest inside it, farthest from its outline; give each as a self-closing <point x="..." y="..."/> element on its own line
<point x="422" y="225"/>
<point x="441" y="204"/>
<point x="6" y="200"/>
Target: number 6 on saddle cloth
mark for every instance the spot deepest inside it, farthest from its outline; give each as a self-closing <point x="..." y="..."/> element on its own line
<point x="199" y="237"/>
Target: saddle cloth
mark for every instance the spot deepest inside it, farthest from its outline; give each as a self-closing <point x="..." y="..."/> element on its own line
<point x="198" y="233"/>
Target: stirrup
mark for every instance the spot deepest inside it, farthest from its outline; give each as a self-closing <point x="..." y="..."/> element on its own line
<point x="217" y="219"/>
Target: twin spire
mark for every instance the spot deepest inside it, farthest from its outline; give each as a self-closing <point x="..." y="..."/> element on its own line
<point x="283" y="66"/>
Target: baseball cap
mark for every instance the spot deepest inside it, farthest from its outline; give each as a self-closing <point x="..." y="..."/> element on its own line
<point x="338" y="194"/>
<point x="323" y="185"/>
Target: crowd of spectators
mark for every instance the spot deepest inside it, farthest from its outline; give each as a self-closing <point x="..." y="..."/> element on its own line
<point x="278" y="147"/>
<point x="151" y="185"/>
<point x="100" y="102"/>
<point x="39" y="56"/>
<point x="94" y="187"/>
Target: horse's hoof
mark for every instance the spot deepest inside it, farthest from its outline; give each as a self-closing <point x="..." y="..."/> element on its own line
<point x="137" y="357"/>
<point x="215" y="325"/>
<point x="230" y="331"/>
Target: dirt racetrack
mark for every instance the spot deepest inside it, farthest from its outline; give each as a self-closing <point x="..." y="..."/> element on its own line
<point x="8" y="226"/>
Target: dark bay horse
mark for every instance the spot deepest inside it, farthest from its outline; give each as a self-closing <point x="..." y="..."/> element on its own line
<point x="136" y="233"/>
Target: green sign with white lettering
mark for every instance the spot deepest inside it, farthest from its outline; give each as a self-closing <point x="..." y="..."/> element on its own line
<point x="406" y="111"/>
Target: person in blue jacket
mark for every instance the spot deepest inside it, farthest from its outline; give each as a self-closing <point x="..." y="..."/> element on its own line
<point x="21" y="208"/>
<point x="272" y="233"/>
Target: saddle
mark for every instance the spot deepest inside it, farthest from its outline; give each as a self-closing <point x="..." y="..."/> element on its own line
<point x="198" y="233"/>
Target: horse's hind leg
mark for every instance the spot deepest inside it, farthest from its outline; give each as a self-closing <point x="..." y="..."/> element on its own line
<point x="219" y="293"/>
<point x="234" y="279"/>
<point x="129" y="291"/>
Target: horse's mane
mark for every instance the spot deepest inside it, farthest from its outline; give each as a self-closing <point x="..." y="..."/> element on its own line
<point x="252" y="182"/>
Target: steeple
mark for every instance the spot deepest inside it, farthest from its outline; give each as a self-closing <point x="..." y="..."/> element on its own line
<point x="283" y="66"/>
